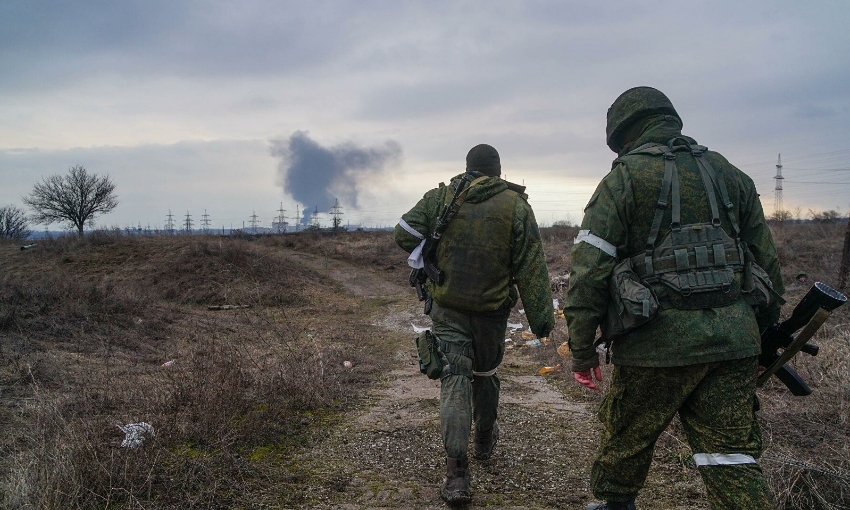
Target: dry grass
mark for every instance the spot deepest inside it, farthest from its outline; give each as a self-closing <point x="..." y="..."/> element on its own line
<point x="86" y="324"/>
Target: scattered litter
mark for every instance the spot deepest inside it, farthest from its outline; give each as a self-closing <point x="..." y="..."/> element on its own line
<point x="136" y="433"/>
<point x="27" y="246"/>
<point x="137" y="320"/>
<point x="522" y="311"/>
<point x="564" y="350"/>
<point x="227" y="307"/>
<point x="169" y="363"/>
<point x="513" y="326"/>
<point x="544" y="340"/>
<point x="527" y="335"/>
<point x="533" y="343"/>
<point x="559" y="314"/>
<point x="560" y="282"/>
<point x="509" y="340"/>
<point x="555" y="304"/>
<point x="546" y="370"/>
<point x="347" y="364"/>
<point x="509" y="347"/>
<point x="417" y="329"/>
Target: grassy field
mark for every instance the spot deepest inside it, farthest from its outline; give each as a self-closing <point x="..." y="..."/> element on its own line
<point x="109" y="330"/>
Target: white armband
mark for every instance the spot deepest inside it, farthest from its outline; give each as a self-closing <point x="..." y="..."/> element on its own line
<point x="410" y="230"/>
<point x="584" y="236"/>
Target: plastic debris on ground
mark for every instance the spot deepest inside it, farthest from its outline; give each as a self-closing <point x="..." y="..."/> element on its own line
<point x="559" y="314"/>
<point x="513" y="326"/>
<point x="169" y="363"/>
<point x="533" y="343"/>
<point x="347" y="364"/>
<point x="564" y="350"/>
<point x="544" y="340"/>
<point x="136" y="433"/>
<point x="417" y="329"/>
<point x="555" y="304"/>
<point x="522" y="312"/>
<point x="546" y="370"/>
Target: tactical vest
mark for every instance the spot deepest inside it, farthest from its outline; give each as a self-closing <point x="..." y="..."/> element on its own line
<point x="475" y="254"/>
<point x="700" y="262"/>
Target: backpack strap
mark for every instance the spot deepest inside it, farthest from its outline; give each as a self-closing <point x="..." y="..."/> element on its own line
<point x="671" y="175"/>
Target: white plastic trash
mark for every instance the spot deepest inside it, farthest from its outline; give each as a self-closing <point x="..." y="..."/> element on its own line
<point x="136" y="433"/>
<point x="555" y="304"/>
<point x="513" y="326"/>
<point x="417" y="329"/>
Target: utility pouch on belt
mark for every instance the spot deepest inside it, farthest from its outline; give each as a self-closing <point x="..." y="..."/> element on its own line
<point x="631" y="305"/>
<point x="431" y="359"/>
<point x="757" y="287"/>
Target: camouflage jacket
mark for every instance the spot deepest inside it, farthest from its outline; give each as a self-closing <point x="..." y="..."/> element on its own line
<point x="473" y="259"/>
<point x="621" y="211"/>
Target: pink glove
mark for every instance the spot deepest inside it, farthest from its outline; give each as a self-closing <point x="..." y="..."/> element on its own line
<point x="585" y="379"/>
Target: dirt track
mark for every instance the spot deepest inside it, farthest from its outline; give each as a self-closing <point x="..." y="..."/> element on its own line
<point x="388" y="452"/>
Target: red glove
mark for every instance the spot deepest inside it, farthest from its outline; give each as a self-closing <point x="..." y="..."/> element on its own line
<point x="586" y="379"/>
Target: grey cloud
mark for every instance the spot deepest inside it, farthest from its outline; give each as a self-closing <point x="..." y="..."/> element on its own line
<point x="72" y="41"/>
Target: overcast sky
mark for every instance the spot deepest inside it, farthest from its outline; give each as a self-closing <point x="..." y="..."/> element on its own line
<point x="236" y="108"/>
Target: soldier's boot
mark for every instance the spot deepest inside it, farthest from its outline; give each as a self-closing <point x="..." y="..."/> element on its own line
<point x="611" y="505"/>
<point x="485" y="441"/>
<point x="455" y="489"/>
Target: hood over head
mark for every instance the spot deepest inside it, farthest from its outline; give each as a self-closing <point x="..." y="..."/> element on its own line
<point x="632" y="106"/>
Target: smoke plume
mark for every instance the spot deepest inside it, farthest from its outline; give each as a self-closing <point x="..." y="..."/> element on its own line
<point x="315" y="175"/>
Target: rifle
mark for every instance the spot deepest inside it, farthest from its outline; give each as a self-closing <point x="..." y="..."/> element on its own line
<point x="429" y="251"/>
<point x="810" y="314"/>
<point x="417" y="279"/>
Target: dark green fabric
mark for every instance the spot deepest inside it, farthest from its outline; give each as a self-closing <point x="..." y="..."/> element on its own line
<point x="621" y="212"/>
<point x="465" y="400"/>
<point x="492" y="241"/>
<point x="631" y="107"/>
<point x="715" y="403"/>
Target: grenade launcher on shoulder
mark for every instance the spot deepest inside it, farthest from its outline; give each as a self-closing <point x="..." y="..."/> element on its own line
<point x="779" y="343"/>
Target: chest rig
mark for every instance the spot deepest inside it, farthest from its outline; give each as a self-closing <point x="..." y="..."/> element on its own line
<point x="698" y="265"/>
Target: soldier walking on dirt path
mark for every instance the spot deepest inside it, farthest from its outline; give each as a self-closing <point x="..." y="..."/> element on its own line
<point x="478" y="242"/>
<point x="669" y="263"/>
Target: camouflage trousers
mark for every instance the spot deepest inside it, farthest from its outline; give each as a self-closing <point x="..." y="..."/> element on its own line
<point x="471" y="392"/>
<point x="716" y="404"/>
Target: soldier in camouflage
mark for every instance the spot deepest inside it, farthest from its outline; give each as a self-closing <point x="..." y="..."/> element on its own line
<point x="491" y="254"/>
<point x="697" y="356"/>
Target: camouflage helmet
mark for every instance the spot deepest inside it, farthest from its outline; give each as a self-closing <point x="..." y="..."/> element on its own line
<point x="633" y="105"/>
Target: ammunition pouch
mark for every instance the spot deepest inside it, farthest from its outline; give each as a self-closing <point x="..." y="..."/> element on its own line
<point x="631" y="303"/>
<point x="433" y="361"/>
<point x="698" y="263"/>
<point x="757" y="287"/>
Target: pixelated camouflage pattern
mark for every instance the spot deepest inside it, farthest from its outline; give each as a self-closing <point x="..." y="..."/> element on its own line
<point x="492" y="241"/>
<point x="465" y="400"/>
<point x="621" y="212"/>
<point x="716" y="405"/>
<point x="632" y="105"/>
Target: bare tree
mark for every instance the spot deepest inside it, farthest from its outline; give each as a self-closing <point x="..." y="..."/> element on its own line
<point x="13" y="223"/>
<point x="77" y="197"/>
